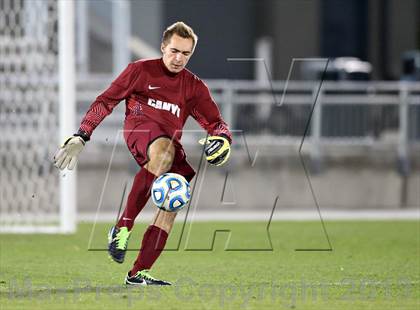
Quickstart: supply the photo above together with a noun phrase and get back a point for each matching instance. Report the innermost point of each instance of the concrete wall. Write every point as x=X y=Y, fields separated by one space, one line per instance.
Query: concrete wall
x=231 y=28
x=225 y=29
x=346 y=183
x=403 y=28
x=294 y=27
x=147 y=21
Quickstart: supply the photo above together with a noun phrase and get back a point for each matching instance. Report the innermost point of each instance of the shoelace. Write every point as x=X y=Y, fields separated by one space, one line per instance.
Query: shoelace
x=145 y=274
x=122 y=238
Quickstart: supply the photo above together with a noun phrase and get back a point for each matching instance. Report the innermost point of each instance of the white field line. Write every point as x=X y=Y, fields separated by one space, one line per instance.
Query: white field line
x=304 y=215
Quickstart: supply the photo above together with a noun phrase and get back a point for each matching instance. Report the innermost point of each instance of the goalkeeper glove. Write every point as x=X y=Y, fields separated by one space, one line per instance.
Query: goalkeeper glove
x=68 y=152
x=217 y=149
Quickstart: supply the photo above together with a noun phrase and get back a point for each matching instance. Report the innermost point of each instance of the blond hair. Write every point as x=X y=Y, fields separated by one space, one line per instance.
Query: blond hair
x=181 y=29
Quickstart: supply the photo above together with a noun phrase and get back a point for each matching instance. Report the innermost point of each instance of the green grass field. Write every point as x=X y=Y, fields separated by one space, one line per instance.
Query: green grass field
x=373 y=265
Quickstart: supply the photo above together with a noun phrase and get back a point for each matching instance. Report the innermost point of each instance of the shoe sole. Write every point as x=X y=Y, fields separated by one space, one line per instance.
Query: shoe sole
x=128 y=283
x=114 y=260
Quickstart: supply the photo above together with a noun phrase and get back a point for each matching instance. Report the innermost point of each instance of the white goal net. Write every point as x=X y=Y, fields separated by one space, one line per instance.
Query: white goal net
x=30 y=195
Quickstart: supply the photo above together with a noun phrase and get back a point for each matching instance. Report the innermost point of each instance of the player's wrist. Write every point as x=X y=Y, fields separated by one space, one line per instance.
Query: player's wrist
x=226 y=137
x=82 y=134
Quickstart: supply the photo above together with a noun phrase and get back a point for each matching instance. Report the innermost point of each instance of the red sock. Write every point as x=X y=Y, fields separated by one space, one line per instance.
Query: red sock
x=139 y=195
x=154 y=241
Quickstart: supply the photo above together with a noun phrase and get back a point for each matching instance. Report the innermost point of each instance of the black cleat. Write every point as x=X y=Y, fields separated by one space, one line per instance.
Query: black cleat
x=117 y=243
x=143 y=278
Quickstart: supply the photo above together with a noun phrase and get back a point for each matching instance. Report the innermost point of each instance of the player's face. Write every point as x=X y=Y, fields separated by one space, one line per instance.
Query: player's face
x=176 y=53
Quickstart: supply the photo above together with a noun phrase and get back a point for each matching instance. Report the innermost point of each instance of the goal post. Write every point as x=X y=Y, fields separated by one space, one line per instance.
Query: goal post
x=37 y=111
x=67 y=110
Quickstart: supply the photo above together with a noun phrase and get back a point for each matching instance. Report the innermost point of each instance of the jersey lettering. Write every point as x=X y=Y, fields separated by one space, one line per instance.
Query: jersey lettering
x=166 y=106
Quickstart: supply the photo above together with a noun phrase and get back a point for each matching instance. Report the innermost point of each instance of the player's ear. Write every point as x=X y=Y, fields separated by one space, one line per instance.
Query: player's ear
x=162 y=47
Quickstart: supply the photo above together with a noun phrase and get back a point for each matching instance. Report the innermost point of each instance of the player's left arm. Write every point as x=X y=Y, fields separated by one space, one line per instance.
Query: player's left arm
x=207 y=114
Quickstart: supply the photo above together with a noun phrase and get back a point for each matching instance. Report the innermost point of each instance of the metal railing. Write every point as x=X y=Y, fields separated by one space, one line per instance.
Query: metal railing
x=279 y=113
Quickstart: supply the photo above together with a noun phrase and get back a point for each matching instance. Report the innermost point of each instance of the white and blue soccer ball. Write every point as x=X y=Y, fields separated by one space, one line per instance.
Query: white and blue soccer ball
x=171 y=192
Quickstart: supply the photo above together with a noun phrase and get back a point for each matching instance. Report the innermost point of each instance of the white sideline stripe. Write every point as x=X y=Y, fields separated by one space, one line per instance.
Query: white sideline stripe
x=304 y=215
x=21 y=229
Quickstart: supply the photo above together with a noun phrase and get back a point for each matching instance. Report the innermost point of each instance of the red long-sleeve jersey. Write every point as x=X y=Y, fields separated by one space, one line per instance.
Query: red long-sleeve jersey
x=152 y=92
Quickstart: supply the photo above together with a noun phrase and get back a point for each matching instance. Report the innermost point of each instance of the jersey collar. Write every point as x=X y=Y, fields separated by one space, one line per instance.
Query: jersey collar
x=166 y=71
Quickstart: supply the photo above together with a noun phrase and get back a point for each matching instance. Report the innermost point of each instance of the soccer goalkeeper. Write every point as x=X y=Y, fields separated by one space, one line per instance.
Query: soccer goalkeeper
x=160 y=94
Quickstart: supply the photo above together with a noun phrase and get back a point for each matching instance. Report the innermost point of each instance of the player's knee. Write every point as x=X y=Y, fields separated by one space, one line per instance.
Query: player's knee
x=162 y=163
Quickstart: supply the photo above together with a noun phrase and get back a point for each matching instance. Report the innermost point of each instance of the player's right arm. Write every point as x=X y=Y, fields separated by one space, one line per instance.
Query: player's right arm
x=120 y=89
